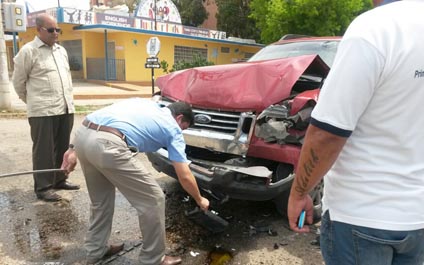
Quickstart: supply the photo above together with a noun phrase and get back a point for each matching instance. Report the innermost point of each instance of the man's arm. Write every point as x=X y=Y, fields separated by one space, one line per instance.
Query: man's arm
x=318 y=154
x=188 y=182
x=21 y=72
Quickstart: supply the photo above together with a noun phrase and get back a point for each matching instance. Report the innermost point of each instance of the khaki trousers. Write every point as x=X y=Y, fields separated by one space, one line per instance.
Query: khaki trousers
x=107 y=163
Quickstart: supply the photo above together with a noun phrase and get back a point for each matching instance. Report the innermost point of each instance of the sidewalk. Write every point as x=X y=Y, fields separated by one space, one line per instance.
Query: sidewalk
x=91 y=93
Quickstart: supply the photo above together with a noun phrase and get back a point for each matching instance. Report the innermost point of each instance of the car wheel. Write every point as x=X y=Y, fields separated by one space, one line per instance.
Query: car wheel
x=283 y=171
x=316 y=195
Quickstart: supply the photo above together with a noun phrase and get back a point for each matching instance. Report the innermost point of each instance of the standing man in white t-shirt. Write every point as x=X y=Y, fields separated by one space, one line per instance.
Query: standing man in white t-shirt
x=367 y=138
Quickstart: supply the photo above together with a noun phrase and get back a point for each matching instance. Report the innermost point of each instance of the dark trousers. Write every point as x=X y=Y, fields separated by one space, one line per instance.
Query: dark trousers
x=50 y=137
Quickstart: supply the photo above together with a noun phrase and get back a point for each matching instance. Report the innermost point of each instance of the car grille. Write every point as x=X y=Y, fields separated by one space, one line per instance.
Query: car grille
x=218 y=121
x=221 y=121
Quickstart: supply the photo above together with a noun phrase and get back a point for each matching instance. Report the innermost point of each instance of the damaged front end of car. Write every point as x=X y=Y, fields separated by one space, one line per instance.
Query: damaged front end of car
x=250 y=119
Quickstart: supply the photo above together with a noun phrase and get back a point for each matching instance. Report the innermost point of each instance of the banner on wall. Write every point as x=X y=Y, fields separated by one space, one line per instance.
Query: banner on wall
x=114 y=20
x=159 y=10
x=76 y=16
x=199 y=32
x=84 y=17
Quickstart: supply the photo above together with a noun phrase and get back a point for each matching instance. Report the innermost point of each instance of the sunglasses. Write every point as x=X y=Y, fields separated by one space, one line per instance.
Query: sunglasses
x=51 y=30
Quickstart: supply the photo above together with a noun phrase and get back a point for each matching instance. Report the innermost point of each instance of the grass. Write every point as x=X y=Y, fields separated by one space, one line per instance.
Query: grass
x=81 y=109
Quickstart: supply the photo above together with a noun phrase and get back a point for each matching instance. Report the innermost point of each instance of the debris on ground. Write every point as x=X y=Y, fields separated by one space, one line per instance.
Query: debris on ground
x=207 y=219
x=194 y=254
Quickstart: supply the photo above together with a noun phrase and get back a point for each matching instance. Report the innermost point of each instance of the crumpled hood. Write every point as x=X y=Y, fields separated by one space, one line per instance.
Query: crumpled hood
x=240 y=86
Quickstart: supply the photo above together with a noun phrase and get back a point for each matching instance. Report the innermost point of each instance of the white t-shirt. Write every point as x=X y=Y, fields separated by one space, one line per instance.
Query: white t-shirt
x=376 y=90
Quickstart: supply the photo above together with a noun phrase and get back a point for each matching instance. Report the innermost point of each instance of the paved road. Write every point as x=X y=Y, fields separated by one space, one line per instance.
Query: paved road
x=38 y=233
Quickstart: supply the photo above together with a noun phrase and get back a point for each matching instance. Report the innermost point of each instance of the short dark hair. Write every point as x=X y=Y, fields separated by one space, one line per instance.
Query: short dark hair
x=183 y=108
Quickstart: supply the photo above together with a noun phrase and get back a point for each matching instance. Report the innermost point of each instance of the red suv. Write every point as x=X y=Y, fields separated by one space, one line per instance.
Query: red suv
x=250 y=119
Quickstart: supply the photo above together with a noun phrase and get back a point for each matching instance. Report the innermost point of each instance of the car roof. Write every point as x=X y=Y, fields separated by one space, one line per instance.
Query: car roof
x=301 y=38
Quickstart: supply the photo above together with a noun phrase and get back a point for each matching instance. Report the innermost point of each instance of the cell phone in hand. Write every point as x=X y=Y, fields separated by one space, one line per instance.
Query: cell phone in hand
x=301 y=220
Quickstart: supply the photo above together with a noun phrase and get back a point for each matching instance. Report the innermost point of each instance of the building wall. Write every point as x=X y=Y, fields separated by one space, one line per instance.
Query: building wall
x=131 y=48
x=94 y=45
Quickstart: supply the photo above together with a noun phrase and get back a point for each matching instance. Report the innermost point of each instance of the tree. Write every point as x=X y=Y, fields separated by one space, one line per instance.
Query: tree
x=132 y=5
x=276 y=18
x=192 y=12
x=233 y=18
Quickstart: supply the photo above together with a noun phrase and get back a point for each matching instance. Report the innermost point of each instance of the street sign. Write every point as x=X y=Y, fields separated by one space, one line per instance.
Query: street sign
x=152 y=65
x=152 y=60
x=153 y=46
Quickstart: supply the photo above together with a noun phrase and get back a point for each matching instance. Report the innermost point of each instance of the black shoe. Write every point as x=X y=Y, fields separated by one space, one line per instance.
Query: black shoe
x=67 y=186
x=48 y=196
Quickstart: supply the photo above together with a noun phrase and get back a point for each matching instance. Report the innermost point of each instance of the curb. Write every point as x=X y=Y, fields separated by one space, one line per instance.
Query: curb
x=20 y=115
x=110 y=96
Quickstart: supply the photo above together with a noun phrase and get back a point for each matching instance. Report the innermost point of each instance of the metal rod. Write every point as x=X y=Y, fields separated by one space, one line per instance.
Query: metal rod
x=153 y=81
x=156 y=28
x=106 y=58
x=32 y=172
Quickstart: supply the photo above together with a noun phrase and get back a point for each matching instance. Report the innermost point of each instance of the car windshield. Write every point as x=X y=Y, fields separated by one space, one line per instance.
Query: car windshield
x=326 y=49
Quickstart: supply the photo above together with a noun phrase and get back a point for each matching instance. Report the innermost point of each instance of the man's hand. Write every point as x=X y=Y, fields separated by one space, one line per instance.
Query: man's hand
x=295 y=207
x=203 y=203
x=189 y=184
x=69 y=161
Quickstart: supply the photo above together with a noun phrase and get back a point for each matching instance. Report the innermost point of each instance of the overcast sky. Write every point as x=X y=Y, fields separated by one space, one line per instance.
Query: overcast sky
x=35 y=5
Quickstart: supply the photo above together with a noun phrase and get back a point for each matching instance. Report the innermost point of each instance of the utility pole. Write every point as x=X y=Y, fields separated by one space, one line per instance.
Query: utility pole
x=156 y=27
x=5 y=103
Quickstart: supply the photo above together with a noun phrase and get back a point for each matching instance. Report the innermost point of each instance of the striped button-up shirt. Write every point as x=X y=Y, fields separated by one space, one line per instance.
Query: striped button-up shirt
x=42 y=79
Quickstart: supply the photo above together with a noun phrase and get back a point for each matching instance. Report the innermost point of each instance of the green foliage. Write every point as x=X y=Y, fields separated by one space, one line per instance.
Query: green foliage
x=180 y=65
x=192 y=12
x=164 y=66
x=276 y=18
x=233 y=18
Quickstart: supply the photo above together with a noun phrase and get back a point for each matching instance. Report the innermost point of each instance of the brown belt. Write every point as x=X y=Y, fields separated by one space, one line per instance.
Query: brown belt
x=103 y=128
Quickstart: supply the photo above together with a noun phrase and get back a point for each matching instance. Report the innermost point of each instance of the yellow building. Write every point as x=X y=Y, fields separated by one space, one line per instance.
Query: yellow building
x=92 y=39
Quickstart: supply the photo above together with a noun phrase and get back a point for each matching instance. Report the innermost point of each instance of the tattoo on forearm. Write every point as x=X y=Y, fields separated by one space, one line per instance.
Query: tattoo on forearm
x=303 y=179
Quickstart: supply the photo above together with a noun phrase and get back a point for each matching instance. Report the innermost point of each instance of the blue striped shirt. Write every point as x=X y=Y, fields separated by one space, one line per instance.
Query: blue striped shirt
x=145 y=125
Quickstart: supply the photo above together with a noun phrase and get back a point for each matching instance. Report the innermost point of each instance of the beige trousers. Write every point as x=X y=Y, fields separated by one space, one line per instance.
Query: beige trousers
x=107 y=163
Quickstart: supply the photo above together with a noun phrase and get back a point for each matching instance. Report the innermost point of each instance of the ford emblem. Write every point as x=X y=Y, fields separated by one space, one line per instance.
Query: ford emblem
x=202 y=118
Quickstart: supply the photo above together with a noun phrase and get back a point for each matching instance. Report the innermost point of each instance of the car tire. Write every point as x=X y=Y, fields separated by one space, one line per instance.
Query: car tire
x=283 y=171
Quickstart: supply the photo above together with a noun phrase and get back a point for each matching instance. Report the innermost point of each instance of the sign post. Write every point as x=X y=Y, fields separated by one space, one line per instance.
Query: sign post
x=153 y=48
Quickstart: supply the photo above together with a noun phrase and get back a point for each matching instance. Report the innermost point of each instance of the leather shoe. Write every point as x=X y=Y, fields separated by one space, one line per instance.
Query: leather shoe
x=168 y=260
x=113 y=249
x=48 y=196
x=67 y=186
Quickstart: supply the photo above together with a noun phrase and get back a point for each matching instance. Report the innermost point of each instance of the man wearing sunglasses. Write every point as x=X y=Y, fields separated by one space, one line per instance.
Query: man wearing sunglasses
x=42 y=79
